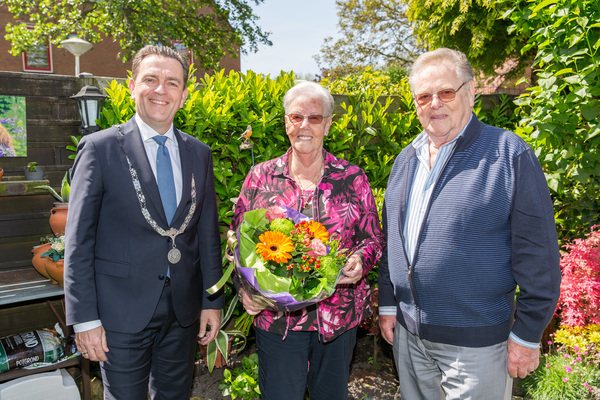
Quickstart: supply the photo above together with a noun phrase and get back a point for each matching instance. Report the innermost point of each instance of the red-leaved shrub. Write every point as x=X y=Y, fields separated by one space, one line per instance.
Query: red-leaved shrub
x=579 y=301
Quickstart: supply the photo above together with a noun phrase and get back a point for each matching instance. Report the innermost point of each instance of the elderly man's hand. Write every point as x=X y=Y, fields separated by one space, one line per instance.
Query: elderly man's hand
x=387 y=324
x=521 y=360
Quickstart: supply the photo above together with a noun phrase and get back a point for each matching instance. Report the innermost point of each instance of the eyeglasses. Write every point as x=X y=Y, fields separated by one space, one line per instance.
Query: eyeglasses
x=445 y=95
x=297 y=119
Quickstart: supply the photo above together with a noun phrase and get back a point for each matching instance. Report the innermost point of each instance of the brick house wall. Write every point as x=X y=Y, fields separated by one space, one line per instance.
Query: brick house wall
x=101 y=60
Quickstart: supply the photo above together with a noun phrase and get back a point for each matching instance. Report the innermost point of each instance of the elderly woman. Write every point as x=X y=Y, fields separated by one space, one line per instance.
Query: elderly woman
x=312 y=348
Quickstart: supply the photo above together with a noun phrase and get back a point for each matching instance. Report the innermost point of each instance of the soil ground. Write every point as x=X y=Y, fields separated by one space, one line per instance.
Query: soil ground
x=367 y=381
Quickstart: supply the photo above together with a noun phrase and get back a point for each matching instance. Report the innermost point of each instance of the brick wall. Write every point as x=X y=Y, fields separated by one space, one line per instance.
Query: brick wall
x=101 y=60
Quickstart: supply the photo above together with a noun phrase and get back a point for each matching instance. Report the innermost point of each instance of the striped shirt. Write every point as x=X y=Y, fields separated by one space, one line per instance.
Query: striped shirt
x=422 y=188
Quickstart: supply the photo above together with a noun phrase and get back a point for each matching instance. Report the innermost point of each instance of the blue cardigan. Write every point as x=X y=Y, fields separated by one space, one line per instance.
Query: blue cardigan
x=488 y=227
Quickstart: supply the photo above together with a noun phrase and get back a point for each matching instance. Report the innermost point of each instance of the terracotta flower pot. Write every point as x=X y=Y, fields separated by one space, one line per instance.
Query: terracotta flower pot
x=1 y=174
x=56 y=270
x=39 y=263
x=58 y=218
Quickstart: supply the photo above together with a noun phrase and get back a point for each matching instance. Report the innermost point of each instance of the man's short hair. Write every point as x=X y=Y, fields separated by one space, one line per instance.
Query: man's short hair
x=163 y=51
x=438 y=56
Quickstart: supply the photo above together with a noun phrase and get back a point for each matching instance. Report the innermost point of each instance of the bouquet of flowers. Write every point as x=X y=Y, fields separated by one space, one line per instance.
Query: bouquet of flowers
x=285 y=260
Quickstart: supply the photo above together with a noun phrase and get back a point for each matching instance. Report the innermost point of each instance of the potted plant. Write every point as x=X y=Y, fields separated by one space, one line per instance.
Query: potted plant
x=58 y=214
x=39 y=262
x=55 y=259
x=218 y=349
x=33 y=172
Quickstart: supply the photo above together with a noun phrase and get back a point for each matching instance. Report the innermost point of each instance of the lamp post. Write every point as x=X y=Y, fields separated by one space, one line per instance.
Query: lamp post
x=76 y=47
x=89 y=102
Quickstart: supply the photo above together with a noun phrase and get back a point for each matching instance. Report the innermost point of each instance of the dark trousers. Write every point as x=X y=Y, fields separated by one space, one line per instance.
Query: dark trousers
x=159 y=360
x=287 y=368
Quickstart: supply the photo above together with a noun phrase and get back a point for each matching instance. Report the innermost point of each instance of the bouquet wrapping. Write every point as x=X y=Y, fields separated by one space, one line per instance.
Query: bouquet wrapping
x=285 y=260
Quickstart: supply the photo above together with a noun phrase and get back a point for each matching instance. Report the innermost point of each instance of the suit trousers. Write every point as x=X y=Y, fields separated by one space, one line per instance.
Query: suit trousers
x=438 y=371
x=159 y=360
x=288 y=367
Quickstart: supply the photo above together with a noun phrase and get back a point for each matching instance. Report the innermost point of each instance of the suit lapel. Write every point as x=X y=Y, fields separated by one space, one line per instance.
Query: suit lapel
x=187 y=164
x=132 y=145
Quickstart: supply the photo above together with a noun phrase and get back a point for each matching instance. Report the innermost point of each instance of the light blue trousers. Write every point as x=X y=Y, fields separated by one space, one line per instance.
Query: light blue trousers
x=436 y=371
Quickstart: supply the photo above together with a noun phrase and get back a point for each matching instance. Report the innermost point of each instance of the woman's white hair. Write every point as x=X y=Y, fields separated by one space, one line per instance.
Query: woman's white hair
x=310 y=90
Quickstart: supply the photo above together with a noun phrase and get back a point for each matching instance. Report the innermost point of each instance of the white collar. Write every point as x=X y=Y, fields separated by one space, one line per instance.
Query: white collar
x=148 y=132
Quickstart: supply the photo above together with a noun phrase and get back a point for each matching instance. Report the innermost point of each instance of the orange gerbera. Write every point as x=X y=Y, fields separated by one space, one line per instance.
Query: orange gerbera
x=275 y=246
x=318 y=230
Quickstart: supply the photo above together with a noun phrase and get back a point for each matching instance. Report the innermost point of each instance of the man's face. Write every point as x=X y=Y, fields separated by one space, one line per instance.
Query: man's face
x=443 y=121
x=159 y=90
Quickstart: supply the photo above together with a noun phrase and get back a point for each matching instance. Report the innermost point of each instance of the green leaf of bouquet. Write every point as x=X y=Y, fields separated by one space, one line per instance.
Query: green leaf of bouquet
x=256 y=218
x=300 y=274
x=270 y=282
x=321 y=287
x=253 y=221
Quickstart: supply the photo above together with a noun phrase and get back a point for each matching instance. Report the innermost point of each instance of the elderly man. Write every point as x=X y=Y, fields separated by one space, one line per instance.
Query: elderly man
x=468 y=218
x=143 y=241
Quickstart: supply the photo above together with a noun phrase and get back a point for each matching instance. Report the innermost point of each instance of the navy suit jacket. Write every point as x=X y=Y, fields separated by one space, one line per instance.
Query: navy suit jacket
x=115 y=261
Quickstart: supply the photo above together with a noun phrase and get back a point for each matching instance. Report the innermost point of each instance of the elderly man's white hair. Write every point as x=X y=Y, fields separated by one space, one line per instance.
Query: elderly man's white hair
x=439 y=56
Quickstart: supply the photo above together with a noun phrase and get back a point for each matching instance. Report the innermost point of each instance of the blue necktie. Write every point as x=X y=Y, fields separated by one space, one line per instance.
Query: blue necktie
x=164 y=173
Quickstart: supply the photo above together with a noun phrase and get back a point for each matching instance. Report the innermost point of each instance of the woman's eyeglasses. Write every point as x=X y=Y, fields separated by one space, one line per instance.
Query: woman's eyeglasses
x=297 y=119
x=445 y=95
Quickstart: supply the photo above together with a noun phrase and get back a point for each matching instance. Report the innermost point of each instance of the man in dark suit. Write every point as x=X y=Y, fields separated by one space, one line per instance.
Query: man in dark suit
x=142 y=241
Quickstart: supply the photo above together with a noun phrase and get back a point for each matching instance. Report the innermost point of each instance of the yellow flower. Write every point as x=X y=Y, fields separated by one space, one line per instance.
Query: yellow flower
x=275 y=246
x=318 y=230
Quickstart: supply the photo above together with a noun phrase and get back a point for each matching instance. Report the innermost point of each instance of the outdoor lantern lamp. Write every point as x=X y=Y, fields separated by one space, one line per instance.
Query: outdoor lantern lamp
x=76 y=47
x=89 y=102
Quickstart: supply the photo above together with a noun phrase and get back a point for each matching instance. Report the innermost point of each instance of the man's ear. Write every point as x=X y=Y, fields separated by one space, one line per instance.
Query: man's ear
x=131 y=85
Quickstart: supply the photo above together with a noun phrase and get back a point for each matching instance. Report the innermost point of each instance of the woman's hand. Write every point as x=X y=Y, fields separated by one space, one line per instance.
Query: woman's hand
x=249 y=305
x=352 y=271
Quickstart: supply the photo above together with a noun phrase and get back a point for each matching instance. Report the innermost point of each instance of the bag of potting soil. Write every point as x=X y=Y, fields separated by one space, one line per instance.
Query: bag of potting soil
x=24 y=349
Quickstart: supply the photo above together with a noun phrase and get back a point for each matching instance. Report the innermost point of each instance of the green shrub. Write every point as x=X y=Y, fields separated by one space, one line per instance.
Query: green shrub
x=561 y=111
x=243 y=382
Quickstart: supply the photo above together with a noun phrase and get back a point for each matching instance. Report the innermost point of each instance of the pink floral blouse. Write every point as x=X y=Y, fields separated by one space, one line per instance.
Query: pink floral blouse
x=345 y=205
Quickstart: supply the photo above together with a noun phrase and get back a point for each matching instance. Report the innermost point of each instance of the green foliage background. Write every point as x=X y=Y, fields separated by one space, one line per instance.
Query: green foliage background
x=372 y=123
x=561 y=112
x=369 y=129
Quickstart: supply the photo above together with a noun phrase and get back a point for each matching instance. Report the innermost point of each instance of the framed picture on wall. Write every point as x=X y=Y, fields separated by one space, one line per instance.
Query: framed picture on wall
x=13 y=126
x=38 y=58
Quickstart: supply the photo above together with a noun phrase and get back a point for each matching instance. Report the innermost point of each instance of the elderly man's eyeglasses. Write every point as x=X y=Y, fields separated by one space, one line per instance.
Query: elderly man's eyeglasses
x=297 y=119
x=445 y=95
